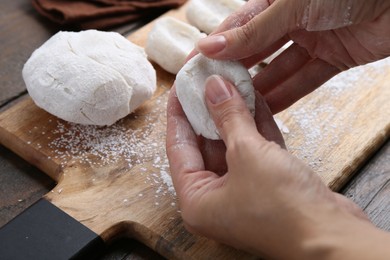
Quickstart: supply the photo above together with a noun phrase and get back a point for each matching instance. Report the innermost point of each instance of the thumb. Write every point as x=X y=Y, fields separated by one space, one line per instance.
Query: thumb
x=229 y=111
x=257 y=34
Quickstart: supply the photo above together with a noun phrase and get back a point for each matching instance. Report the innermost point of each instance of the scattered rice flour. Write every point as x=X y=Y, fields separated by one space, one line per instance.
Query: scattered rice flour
x=100 y=146
x=318 y=117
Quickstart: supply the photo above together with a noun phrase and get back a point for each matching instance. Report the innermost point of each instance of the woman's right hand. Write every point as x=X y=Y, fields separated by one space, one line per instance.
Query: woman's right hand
x=262 y=199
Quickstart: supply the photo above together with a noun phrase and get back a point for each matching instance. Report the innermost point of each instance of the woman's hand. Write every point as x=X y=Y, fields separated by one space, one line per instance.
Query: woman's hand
x=329 y=36
x=259 y=197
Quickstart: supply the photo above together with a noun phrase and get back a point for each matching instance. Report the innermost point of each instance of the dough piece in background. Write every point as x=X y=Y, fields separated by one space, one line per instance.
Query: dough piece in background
x=207 y=15
x=259 y=67
x=170 y=41
x=190 y=89
x=253 y=71
x=89 y=77
x=277 y=53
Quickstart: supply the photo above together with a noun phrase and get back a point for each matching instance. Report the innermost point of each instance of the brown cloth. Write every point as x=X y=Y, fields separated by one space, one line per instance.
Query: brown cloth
x=100 y=14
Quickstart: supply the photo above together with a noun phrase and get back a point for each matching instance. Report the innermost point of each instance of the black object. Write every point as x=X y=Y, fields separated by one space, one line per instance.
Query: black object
x=44 y=231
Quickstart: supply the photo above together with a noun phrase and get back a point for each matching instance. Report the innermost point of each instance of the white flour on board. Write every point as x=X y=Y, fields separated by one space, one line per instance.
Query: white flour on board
x=318 y=126
x=101 y=146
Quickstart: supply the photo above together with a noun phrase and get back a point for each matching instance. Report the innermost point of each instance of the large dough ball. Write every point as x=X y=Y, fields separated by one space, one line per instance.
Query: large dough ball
x=89 y=77
x=190 y=89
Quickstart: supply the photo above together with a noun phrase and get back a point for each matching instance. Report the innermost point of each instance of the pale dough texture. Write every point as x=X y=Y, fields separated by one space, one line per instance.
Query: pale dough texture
x=170 y=41
x=207 y=15
x=190 y=89
x=89 y=77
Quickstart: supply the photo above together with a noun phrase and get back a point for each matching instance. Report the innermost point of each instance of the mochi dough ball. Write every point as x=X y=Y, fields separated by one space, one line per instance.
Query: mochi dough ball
x=89 y=77
x=190 y=90
x=207 y=15
x=170 y=41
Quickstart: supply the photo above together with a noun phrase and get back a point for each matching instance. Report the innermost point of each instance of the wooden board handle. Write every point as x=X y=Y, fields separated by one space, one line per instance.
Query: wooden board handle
x=44 y=231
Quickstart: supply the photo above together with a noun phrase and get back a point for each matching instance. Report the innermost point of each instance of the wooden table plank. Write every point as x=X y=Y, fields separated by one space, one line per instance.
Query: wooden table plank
x=21 y=185
x=21 y=31
x=370 y=189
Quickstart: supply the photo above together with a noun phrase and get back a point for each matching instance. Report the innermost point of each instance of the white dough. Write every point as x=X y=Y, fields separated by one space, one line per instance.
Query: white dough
x=89 y=77
x=257 y=68
x=277 y=53
x=170 y=41
x=190 y=89
x=207 y=15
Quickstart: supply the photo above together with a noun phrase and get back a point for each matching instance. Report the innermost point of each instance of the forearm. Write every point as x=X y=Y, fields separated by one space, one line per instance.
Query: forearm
x=321 y=230
x=343 y=236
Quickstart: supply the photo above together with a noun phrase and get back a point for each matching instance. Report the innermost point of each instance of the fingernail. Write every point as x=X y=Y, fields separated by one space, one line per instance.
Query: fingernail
x=211 y=44
x=216 y=90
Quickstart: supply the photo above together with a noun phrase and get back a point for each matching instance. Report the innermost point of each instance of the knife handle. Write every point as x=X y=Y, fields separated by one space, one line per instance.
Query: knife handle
x=44 y=231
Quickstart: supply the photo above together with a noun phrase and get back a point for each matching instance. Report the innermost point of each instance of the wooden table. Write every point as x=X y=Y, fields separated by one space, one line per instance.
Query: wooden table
x=21 y=31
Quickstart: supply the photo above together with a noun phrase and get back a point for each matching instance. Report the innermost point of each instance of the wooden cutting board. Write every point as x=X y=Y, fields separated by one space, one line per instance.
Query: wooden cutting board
x=115 y=180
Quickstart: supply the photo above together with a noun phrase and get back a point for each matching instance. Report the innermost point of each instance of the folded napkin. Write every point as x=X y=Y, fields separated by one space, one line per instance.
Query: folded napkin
x=100 y=14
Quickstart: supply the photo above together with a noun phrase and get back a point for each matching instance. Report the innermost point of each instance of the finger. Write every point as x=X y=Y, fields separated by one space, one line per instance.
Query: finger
x=185 y=159
x=213 y=152
x=259 y=57
x=281 y=68
x=265 y=122
x=194 y=186
x=243 y=15
x=255 y=35
x=229 y=111
x=237 y=19
x=254 y=59
x=300 y=84
x=191 y=55
x=180 y=136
